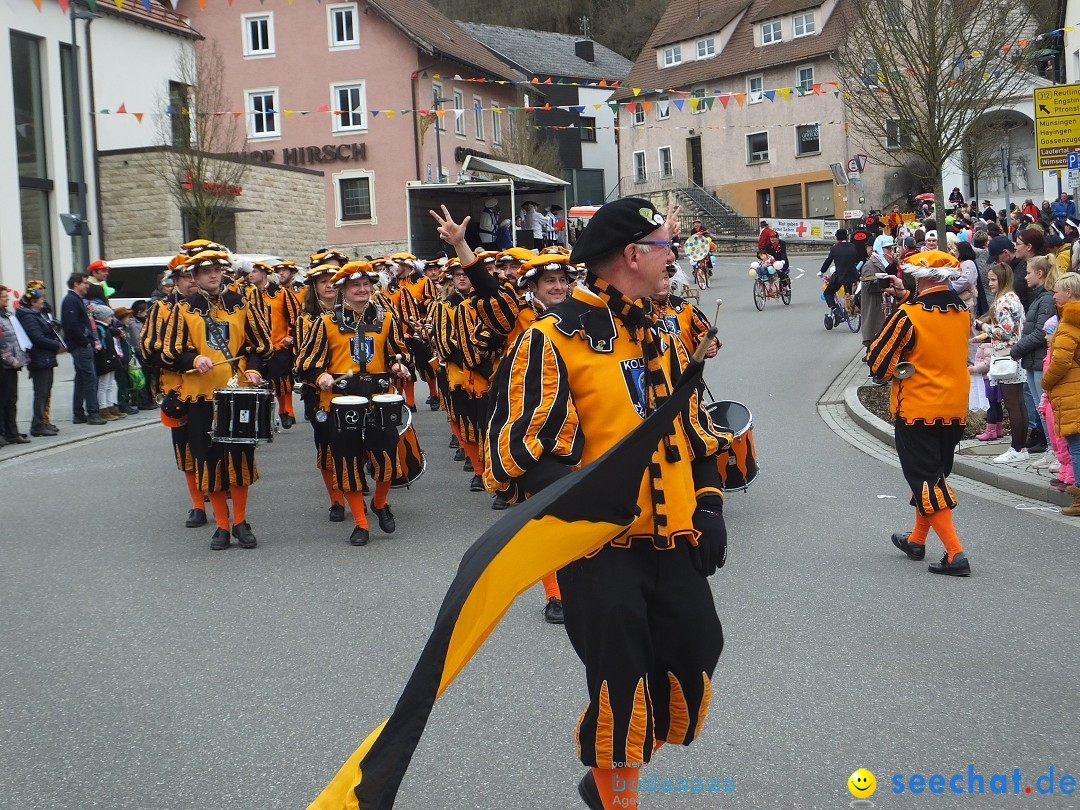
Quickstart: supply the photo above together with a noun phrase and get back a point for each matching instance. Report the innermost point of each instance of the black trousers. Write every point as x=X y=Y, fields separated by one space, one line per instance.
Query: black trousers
x=926 y=459
x=42 y=381
x=644 y=624
x=9 y=400
x=838 y=280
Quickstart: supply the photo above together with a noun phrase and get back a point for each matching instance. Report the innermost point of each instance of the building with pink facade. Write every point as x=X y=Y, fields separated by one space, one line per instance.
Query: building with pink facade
x=350 y=89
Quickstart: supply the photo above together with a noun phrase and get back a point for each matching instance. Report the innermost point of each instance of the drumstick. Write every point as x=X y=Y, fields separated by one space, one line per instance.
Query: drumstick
x=719 y=303
x=218 y=363
x=344 y=376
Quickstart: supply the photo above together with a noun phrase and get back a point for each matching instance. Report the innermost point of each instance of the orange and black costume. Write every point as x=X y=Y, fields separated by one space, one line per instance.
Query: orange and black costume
x=281 y=310
x=460 y=409
x=679 y=317
x=203 y=325
x=639 y=613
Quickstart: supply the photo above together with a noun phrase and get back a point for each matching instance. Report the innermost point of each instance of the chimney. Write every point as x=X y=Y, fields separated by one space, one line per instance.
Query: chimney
x=583 y=49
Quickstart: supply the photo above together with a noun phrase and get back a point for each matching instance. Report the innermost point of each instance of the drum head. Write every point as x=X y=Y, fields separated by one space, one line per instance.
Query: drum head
x=732 y=416
x=349 y=401
x=387 y=399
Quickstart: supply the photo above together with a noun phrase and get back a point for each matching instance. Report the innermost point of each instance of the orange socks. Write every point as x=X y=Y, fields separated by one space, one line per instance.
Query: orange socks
x=922 y=528
x=239 y=503
x=618 y=787
x=431 y=390
x=220 y=503
x=285 y=405
x=410 y=392
x=941 y=520
x=382 y=489
x=356 y=506
x=472 y=452
x=335 y=496
x=194 y=491
x=551 y=587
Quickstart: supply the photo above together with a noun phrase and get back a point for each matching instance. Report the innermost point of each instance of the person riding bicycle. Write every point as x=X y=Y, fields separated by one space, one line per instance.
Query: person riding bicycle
x=777 y=249
x=846 y=274
x=700 y=230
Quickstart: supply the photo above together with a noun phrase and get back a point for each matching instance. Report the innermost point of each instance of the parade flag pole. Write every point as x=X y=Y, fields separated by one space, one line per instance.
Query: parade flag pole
x=563 y=522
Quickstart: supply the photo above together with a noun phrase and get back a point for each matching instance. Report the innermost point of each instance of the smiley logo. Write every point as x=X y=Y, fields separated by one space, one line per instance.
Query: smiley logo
x=862 y=784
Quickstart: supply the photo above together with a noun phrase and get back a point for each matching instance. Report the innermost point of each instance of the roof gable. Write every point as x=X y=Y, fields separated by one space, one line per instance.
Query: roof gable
x=545 y=53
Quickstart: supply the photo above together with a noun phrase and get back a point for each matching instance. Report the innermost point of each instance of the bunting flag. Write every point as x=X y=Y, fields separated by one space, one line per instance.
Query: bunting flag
x=121 y=109
x=138 y=117
x=562 y=523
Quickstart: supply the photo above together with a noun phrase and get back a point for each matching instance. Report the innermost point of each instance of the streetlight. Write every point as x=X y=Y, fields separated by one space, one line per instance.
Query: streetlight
x=437 y=100
x=76 y=224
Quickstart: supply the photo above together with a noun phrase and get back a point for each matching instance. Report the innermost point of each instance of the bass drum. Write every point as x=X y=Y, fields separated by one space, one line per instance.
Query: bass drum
x=738 y=464
x=411 y=459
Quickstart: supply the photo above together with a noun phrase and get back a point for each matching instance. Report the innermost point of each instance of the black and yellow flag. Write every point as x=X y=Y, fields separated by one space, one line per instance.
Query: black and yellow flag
x=562 y=523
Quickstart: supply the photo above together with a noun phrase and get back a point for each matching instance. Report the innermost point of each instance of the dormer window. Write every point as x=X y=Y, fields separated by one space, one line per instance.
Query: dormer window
x=672 y=55
x=706 y=47
x=803 y=24
x=770 y=33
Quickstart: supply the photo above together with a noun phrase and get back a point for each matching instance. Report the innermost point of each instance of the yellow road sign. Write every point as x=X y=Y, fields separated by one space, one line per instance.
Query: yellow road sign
x=1057 y=125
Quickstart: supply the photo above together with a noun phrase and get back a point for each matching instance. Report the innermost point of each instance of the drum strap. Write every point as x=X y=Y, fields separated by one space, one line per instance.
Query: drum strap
x=214 y=330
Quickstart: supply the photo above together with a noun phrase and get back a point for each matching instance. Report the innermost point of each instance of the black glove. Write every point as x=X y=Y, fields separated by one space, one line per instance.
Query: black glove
x=711 y=551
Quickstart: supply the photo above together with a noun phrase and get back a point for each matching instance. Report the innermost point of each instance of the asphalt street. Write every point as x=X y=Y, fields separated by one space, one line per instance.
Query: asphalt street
x=141 y=670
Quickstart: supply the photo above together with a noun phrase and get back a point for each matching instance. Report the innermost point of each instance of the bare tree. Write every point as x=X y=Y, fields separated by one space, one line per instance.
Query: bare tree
x=919 y=74
x=202 y=163
x=527 y=145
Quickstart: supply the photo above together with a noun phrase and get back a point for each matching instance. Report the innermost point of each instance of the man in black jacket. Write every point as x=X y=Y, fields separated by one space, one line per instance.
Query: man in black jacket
x=44 y=344
x=846 y=256
x=80 y=337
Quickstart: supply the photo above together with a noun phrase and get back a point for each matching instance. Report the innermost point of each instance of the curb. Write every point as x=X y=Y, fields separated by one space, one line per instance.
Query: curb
x=1026 y=485
x=86 y=433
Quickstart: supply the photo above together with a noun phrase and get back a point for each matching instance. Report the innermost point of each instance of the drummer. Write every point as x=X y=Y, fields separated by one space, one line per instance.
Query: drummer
x=212 y=335
x=679 y=317
x=280 y=307
x=362 y=339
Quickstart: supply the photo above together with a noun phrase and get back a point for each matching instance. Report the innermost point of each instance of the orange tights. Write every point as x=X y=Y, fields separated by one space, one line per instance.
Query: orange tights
x=220 y=502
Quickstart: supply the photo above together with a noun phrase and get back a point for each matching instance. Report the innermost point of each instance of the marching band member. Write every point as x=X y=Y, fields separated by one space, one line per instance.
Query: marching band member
x=405 y=307
x=214 y=334
x=281 y=309
x=169 y=382
x=361 y=338
x=677 y=316
x=290 y=278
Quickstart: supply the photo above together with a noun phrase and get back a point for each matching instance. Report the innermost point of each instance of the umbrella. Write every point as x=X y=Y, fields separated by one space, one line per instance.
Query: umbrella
x=926 y=196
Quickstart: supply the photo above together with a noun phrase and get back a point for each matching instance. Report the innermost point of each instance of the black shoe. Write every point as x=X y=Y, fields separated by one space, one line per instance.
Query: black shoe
x=467 y=466
x=78 y=420
x=130 y=410
x=43 y=431
x=17 y=438
x=476 y=484
x=957 y=568
x=498 y=504
x=287 y=421
x=411 y=408
x=359 y=537
x=337 y=513
x=454 y=443
x=385 y=516
x=3 y=442
x=220 y=540
x=589 y=793
x=95 y=419
x=195 y=518
x=1036 y=439
x=1035 y=449
x=148 y=406
x=914 y=551
x=244 y=537
x=553 y=612
x=459 y=455
x=434 y=405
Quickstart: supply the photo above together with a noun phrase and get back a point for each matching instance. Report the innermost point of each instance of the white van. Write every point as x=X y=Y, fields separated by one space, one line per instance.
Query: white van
x=135 y=279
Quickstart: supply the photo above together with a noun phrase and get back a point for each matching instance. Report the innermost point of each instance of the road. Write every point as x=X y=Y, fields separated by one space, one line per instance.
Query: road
x=140 y=670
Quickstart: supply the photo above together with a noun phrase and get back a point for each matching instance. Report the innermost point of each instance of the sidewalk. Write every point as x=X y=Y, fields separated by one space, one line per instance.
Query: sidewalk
x=60 y=414
x=974 y=459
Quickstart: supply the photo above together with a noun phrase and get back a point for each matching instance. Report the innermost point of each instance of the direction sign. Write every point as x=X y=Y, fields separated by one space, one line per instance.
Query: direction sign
x=1057 y=125
x=1074 y=160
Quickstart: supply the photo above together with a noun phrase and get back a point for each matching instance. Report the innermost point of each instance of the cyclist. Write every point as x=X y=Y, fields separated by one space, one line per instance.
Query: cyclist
x=777 y=248
x=846 y=258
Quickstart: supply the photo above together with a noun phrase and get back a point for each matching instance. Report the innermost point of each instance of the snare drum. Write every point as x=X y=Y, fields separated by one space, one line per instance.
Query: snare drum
x=738 y=464
x=348 y=413
x=243 y=416
x=391 y=412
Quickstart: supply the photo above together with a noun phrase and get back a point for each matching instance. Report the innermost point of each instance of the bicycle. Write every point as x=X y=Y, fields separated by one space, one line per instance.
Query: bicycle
x=849 y=309
x=701 y=274
x=774 y=286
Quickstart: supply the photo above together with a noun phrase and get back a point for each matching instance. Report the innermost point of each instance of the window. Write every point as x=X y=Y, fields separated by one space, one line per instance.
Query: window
x=262 y=109
x=664 y=154
x=180 y=113
x=344 y=28
x=354 y=198
x=459 y=117
x=804 y=77
x=349 y=107
x=706 y=47
x=436 y=95
x=871 y=69
x=672 y=55
x=757 y=147
x=478 y=115
x=895 y=135
x=699 y=94
x=894 y=15
x=258 y=34
x=803 y=24
x=640 y=173
x=638 y=118
x=496 y=127
x=755 y=89
x=770 y=33
x=588 y=129
x=663 y=108
x=807 y=139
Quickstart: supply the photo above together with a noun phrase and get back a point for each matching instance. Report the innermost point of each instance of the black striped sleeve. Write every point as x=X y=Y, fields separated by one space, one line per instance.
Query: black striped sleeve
x=499 y=311
x=888 y=348
x=313 y=357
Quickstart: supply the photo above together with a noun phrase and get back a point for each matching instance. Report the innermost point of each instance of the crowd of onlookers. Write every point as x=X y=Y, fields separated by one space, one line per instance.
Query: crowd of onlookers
x=110 y=379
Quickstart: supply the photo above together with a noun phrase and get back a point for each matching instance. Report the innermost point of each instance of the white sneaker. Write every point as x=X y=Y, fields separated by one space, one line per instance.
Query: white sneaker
x=1054 y=467
x=1011 y=456
x=1042 y=461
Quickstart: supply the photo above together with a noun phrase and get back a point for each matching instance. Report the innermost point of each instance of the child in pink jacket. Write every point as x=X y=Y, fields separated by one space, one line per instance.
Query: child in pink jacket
x=980 y=367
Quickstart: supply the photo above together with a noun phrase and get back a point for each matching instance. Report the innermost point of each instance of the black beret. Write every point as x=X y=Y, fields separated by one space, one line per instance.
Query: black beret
x=614 y=226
